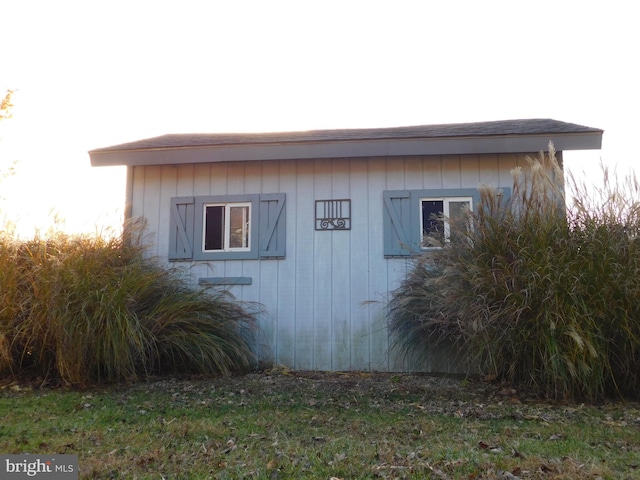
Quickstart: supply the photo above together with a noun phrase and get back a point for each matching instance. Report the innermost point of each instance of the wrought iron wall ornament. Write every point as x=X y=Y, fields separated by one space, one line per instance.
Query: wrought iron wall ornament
x=333 y=214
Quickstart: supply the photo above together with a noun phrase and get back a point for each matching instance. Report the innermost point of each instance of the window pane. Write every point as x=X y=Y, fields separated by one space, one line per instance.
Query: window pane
x=431 y=221
x=214 y=228
x=457 y=212
x=238 y=227
x=457 y=209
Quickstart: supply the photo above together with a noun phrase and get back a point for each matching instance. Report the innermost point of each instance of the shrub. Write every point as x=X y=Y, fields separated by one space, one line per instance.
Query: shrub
x=85 y=309
x=544 y=297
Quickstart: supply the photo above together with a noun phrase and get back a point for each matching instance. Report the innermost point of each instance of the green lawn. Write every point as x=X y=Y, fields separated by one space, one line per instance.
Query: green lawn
x=318 y=426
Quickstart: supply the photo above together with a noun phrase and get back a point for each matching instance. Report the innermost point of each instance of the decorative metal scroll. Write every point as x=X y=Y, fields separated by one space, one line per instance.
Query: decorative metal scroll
x=333 y=214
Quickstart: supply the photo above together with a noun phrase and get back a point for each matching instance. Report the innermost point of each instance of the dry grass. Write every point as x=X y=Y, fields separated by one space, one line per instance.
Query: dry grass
x=83 y=309
x=543 y=296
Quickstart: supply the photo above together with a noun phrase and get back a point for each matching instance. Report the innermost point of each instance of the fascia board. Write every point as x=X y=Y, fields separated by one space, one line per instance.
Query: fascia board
x=348 y=149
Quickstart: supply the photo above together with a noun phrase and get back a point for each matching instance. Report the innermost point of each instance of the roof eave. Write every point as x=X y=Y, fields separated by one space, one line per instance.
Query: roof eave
x=348 y=149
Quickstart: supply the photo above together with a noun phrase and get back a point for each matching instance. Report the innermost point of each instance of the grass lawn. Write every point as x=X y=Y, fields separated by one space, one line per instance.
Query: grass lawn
x=296 y=425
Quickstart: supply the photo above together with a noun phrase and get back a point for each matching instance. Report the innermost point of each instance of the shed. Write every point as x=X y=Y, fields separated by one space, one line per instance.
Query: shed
x=319 y=226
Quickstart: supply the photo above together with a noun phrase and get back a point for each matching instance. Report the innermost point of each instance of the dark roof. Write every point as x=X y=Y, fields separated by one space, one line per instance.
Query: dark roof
x=454 y=130
x=507 y=136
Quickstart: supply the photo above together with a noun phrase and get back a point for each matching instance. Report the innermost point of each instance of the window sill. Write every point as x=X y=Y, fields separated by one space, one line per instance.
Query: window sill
x=213 y=281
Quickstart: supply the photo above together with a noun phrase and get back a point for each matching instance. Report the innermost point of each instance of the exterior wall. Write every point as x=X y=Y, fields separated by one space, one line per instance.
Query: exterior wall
x=325 y=301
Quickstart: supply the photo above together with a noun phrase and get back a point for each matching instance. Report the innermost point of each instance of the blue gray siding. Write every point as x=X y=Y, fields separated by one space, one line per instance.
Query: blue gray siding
x=323 y=292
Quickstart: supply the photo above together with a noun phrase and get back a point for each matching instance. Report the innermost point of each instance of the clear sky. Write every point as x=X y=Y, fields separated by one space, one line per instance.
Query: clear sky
x=92 y=74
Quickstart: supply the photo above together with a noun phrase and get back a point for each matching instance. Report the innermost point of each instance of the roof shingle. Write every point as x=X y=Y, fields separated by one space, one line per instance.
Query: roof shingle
x=478 y=129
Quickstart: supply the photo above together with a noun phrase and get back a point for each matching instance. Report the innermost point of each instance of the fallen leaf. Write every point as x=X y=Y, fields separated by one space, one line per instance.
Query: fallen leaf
x=231 y=446
x=338 y=457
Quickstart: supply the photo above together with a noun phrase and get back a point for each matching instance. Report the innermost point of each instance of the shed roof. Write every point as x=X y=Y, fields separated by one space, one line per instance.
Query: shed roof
x=505 y=136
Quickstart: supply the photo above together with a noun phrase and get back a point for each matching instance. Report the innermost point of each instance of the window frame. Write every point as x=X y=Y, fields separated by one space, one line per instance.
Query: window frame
x=446 y=213
x=226 y=227
x=199 y=252
x=268 y=235
x=402 y=236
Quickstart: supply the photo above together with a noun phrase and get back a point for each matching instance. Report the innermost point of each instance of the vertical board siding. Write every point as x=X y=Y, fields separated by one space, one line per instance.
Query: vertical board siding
x=489 y=170
x=341 y=273
x=413 y=173
x=378 y=270
x=304 y=341
x=287 y=288
x=358 y=267
x=451 y=175
x=324 y=303
x=137 y=193
x=360 y=326
x=469 y=171
x=432 y=172
x=153 y=210
x=321 y=258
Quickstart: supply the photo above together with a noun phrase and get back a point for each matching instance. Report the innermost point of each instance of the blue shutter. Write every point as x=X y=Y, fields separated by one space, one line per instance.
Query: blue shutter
x=272 y=228
x=181 y=222
x=397 y=227
x=401 y=216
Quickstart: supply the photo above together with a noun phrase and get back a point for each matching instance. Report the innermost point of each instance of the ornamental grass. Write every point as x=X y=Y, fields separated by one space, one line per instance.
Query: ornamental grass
x=536 y=289
x=85 y=309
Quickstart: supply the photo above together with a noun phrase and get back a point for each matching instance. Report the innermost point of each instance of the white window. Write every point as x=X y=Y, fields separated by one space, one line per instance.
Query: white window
x=227 y=227
x=436 y=215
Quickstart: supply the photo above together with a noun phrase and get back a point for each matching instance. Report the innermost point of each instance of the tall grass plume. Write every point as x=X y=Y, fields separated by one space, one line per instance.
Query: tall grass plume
x=541 y=290
x=83 y=309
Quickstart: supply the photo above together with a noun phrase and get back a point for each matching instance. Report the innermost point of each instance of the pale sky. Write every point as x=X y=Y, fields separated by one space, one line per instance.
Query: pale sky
x=93 y=74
